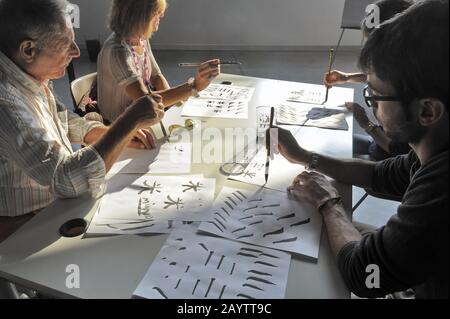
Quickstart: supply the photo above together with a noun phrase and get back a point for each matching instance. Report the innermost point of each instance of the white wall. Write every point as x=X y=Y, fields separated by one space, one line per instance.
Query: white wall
x=240 y=24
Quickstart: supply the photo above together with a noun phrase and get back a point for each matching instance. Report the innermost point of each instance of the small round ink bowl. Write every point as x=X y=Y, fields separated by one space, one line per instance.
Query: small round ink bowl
x=227 y=83
x=73 y=228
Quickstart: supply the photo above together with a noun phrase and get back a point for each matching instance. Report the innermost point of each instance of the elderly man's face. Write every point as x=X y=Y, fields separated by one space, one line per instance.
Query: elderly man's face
x=51 y=62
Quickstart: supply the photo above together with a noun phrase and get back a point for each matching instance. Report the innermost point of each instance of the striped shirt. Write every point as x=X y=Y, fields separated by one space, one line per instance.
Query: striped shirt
x=116 y=70
x=37 y=163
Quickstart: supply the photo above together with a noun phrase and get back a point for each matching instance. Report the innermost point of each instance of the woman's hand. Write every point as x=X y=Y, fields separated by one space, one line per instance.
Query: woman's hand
x=335 y=77
x=206 y=72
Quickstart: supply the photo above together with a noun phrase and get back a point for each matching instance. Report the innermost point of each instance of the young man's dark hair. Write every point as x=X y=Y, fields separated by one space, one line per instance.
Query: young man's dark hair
x=412 y=54
x=388 y=9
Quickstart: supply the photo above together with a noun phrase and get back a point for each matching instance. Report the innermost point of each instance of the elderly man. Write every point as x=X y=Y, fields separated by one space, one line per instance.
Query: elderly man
x=408 y=89
x=37 y=164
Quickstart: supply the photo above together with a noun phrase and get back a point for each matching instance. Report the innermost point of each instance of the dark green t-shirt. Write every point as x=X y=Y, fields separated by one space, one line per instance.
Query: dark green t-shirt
x=412 y=250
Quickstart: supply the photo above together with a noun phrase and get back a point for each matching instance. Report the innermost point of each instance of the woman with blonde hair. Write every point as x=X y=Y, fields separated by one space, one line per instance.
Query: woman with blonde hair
x=127 y=69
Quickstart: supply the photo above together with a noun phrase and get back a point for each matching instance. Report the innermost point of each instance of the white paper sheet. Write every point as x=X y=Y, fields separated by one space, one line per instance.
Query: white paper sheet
x=269 y=218
x=307 y=115
x=146 y=204
x=310 y=94
x=167 y=158
x=192 y=266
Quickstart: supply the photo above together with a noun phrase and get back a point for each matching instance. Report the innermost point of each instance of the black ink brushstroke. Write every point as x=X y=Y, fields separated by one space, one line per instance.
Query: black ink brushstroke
x=232 y=200
x=229 y=205
x=304 y=222
x=220 y=262
x=160 y=292
x=195 y=287
x=260 y=273
x=216 y=226
x=209 y=287
x=256 y=223
x=238 y=230
x=209 y=257
x=245 y=236
x=220 y=216
x=223 y=290
x=277 y=232
x=265 y=264
x=286 y=217
x=226 y=212
x=264 y=281
x=290 y=240
x=271 y=206
x=245 y=296
x=232 y=269
x=271 y=256
x=240 y=193
x=251 y=250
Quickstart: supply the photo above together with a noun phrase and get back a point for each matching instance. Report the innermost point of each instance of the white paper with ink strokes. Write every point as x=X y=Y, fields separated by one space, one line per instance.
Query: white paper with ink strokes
x=268 y=218
x=192 y=266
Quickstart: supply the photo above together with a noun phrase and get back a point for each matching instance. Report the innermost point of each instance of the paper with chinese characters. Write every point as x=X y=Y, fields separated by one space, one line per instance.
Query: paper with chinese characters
x=146 y=204
x=312 y=94
x=220 y=101
x=193 y=266
x=268 y=218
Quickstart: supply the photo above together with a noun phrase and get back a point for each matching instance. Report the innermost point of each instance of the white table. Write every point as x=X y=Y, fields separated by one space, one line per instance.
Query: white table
x=111 y=267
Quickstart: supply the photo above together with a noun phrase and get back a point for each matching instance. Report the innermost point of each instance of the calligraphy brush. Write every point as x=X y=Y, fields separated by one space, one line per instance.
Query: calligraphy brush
x=268 y=145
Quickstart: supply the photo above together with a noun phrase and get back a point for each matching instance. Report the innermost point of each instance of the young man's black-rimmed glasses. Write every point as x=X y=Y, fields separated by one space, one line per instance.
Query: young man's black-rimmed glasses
x=371 y=98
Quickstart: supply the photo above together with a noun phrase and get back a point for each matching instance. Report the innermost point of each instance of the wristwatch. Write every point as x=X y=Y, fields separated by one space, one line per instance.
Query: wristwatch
x=371 y=127
x=194 y=91
x=314 y=161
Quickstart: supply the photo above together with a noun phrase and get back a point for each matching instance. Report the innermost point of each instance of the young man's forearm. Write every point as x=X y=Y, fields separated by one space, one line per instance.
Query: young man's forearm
x=339 y=227
x=348 y=171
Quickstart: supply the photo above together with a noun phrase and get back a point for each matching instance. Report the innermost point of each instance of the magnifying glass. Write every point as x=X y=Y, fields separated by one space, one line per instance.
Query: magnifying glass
x=235 y=167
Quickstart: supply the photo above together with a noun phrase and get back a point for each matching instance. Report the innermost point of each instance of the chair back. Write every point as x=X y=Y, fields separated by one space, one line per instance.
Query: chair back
x=81 y=86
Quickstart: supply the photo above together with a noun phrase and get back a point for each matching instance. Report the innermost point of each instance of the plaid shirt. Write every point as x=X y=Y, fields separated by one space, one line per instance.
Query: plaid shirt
x=37 y=163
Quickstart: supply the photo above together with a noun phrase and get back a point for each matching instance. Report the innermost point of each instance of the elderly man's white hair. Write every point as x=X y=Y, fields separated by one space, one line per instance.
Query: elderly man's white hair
x=40 y=20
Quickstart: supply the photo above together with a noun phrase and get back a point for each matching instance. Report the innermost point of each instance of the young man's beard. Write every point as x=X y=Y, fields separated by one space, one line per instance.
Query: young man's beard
x=407 y=132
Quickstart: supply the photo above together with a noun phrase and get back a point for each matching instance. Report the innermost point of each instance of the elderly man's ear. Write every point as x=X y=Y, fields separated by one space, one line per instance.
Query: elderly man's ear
x=27 y=51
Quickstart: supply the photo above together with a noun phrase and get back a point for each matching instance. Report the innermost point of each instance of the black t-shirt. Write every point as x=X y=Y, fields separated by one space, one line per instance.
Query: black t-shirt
x=412 y=250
